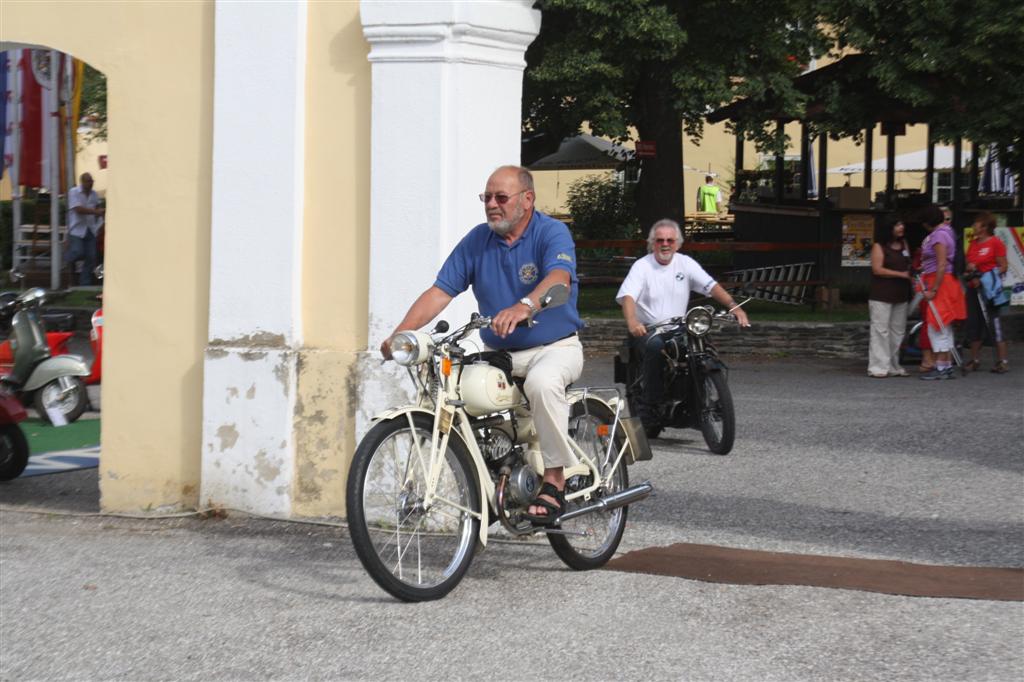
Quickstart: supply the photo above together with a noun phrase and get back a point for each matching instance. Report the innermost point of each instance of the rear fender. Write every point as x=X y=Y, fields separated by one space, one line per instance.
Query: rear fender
x=11 y=409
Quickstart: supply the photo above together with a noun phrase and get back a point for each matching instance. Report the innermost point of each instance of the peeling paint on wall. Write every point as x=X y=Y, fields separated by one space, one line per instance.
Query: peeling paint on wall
x=228 y=436
x=282 y=374
x=251 y=393
x=254 y=340
x=266 y=471
x=232 y=393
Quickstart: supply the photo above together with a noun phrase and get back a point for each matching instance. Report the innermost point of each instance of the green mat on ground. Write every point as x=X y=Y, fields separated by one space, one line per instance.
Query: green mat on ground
x=42 y=437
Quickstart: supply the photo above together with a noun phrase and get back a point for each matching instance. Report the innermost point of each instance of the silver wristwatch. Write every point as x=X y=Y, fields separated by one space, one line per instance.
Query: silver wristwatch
x=525 y=300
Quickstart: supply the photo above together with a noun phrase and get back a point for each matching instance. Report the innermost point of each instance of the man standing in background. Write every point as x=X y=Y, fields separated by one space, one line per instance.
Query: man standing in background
x=709 y=196
x=84 y=220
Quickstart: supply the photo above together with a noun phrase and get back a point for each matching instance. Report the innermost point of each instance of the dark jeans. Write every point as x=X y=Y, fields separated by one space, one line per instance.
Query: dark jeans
x=82 y=248
x=649 y=351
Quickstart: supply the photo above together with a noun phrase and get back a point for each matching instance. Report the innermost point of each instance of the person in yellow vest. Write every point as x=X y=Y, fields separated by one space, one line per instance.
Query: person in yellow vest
x=709 y=196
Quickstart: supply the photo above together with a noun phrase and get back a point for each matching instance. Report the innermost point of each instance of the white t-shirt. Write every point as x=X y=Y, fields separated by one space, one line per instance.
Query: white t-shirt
x=663 y=291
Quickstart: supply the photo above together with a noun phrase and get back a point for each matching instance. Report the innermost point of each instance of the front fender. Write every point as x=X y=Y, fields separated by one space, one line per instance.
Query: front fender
x=474 y=456
x=52 y=368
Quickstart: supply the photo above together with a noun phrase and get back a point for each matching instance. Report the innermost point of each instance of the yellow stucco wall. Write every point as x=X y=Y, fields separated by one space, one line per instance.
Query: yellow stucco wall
x=159 y=200
x=716 y=152
x=158 y=59
x=335 y=253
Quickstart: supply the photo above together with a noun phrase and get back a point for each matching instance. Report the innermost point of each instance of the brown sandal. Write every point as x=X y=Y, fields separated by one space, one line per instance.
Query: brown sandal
x=1002 y=367
x=924 y=369
x=972 y=366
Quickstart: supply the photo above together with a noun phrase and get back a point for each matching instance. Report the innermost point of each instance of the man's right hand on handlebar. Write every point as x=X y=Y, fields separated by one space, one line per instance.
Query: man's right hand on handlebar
x=637 y=329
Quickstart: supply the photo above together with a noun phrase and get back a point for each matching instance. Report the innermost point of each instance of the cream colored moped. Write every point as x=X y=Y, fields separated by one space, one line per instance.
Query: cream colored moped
x=429 y=478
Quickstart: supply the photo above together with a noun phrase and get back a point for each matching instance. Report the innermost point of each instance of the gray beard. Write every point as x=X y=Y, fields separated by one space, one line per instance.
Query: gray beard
x=502 y=227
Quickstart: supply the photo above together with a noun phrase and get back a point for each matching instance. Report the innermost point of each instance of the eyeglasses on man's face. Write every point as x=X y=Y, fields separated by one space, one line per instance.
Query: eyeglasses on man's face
x=665 y=240
x=500 y=197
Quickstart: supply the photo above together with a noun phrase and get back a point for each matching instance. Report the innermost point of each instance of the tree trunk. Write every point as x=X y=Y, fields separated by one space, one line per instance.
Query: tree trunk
x=660 y=191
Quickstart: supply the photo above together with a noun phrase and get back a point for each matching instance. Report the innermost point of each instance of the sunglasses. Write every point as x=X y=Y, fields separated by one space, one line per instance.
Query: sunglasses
x=665 y=241
x=502 y=199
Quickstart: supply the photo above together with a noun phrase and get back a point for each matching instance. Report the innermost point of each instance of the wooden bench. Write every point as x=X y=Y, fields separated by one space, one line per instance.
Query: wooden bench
x=790 y=283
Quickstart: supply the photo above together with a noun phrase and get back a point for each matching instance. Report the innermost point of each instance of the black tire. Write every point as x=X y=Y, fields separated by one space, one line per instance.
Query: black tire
x=717 y=416
x=633 y=392
x=606 y=527
x=13 y=452
x=71 y=402
x=380 y=509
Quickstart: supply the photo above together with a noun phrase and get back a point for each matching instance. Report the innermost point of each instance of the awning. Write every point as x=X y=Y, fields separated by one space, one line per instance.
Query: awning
x=584 y=152
x=911 y=162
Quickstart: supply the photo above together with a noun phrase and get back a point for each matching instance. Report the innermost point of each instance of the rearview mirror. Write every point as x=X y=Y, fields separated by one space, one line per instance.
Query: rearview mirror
x=555 y=296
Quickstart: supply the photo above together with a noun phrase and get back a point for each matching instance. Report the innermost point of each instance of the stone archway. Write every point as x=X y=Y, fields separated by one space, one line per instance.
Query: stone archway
x=158 y=232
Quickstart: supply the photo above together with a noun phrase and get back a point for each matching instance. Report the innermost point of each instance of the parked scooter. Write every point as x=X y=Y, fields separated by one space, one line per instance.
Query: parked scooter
x=13 y=444
x=96 y=336
x=53 y=384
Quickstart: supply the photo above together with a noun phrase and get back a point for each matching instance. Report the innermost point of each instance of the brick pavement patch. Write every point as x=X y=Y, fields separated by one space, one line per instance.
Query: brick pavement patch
x=751 y=567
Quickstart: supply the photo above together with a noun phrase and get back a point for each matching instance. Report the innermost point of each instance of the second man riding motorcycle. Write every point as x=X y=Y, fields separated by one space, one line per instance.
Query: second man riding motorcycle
x=658 y=288
x=510 y=261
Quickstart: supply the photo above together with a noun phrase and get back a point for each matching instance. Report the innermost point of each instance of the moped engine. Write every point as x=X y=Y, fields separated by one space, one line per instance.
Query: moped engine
x=523 y=484
x=495 y=445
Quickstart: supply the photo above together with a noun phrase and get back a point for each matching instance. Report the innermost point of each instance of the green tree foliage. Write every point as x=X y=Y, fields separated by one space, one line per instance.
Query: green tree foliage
x=601 y=208
x=961 y=61
x=94 y=103
x=652 y=64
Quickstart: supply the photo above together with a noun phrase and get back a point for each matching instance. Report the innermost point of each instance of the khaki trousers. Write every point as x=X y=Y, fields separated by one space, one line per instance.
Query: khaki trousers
x=888 y=323
x=548 y=371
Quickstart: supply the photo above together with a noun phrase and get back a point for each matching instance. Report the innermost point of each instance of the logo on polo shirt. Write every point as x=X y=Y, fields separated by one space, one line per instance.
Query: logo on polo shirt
x=564 y=256
x=528 y=273
x=680 y=276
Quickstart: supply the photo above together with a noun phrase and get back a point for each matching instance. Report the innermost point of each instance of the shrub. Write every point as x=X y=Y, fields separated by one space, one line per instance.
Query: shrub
x=602 y=209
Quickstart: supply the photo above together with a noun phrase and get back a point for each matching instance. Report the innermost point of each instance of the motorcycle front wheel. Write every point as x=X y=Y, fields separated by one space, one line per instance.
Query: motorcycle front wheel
x=66 y=395
x=718 y=418
x=414 y=552
x=13 y=452
x=594 y=537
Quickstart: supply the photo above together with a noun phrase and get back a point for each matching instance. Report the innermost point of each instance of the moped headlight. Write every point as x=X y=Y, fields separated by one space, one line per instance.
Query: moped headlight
x=410 y=348
x=698 y=321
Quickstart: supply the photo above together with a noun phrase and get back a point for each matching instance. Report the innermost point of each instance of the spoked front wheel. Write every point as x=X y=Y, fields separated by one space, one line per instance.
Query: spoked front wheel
x=594 y=537
x=718 y=418
x=414 y=549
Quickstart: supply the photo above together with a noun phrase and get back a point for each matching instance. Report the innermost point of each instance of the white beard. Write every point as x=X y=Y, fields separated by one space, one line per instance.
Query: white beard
x=501 y=227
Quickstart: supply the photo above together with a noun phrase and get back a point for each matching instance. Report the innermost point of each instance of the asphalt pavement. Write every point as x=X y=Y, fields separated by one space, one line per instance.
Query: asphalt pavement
x=827 y=461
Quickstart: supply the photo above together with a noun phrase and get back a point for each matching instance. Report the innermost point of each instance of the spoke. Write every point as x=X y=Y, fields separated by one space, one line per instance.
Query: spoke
x=454 y=505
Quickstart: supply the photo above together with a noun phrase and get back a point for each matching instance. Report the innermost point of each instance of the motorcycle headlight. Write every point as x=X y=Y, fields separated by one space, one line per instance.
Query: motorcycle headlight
x=698 y=321
x=410 y=348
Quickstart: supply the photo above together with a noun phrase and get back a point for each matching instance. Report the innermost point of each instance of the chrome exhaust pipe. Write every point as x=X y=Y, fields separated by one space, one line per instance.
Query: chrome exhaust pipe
x=613 y=501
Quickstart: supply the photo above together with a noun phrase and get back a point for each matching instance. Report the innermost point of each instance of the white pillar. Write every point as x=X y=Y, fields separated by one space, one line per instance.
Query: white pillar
x=255 y=263
x=447 y=91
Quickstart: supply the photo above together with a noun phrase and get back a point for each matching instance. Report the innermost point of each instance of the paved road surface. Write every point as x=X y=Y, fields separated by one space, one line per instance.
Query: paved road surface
x=826 y=461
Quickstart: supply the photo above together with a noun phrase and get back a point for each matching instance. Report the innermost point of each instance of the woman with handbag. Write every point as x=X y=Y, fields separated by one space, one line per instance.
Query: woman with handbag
x=986 y=263
x=941 y=290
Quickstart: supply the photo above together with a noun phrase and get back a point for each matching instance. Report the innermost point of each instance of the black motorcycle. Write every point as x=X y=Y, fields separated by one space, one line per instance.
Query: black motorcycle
x=696 y=388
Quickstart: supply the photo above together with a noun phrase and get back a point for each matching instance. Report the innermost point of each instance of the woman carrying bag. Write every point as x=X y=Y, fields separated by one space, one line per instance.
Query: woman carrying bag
x=942 y=291
x=986 y=263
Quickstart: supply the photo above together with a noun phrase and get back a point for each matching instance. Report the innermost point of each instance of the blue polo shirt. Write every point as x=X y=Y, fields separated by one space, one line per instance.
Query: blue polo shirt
x=502 y=273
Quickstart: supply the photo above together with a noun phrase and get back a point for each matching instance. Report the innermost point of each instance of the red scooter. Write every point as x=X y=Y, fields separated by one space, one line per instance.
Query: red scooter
x=13 y=444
